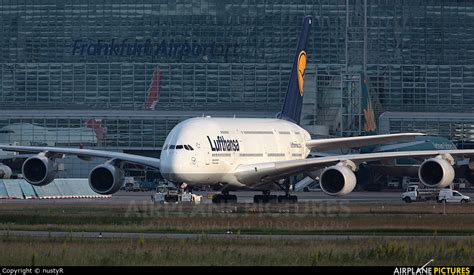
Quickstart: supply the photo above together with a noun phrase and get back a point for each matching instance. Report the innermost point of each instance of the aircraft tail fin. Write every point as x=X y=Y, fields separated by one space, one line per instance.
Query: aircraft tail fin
x=294 y=95
x=370 y=125
x=154 y=90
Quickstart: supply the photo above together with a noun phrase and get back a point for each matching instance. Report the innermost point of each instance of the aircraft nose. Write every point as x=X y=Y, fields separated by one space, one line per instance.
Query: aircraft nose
x=170 y=167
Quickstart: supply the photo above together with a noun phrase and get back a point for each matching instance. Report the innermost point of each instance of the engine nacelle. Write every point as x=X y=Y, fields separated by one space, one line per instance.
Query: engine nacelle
x=337 y=180
x=5 y=171
x=39 y=170
x=436 y=172
x=106 y=179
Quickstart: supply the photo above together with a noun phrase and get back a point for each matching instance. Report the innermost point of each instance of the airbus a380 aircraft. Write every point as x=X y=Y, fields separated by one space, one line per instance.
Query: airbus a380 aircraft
x=247 y=153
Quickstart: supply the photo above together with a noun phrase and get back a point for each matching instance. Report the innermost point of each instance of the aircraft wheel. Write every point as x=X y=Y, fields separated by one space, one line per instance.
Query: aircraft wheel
x=217 y=198
x=291 y=199
x=257 y=198
x=231 y=199
x=294 y=199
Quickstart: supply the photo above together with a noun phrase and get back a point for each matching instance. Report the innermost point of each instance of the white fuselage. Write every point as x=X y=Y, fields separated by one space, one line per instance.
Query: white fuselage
x=207 y=151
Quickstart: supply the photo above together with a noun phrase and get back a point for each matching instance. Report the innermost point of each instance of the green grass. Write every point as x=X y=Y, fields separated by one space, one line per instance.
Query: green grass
x=205 y=251
x=392 y=219
x=324 y=218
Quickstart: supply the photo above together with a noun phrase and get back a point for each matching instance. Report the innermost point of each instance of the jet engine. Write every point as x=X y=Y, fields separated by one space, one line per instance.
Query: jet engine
x=5 y=171
x=39 y=170
x=337 y=180
x=436 y=172
x=106 y=179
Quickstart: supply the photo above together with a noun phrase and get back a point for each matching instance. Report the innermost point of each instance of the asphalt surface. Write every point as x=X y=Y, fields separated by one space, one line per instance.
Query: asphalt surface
x=128 y=235
x=123 y=197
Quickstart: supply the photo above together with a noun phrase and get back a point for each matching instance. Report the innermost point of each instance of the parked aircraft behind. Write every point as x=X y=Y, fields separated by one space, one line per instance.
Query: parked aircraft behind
x=247 y=153
x=375 y=175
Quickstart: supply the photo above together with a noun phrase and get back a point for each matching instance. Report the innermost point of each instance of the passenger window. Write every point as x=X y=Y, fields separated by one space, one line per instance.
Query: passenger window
x=179 y=147
x=171 y=147
x=186 y=147
x=190 y=148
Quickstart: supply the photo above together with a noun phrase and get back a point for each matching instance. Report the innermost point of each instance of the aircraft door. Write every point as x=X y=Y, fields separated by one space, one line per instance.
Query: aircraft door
x=208 y=157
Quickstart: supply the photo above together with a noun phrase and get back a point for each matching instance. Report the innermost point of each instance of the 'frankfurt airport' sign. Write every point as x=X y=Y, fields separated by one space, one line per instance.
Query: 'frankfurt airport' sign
x=164 y=49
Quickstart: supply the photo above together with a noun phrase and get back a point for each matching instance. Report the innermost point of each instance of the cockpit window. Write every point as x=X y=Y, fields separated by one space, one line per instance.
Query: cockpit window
x=178 y=147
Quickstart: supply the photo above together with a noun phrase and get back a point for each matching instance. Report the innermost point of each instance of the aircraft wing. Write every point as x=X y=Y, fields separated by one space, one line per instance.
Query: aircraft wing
x=270 y=171
x=9 y=157
x=354 y=142
x=135 y=159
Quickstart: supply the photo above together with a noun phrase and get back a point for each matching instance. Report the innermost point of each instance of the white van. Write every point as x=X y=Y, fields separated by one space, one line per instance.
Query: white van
x=450 y=195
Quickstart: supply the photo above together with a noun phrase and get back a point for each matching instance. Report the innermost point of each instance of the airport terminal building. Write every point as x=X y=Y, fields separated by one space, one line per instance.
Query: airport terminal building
x=118 y=75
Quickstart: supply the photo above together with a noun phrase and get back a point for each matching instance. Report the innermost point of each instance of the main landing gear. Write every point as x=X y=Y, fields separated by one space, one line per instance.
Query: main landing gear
x=267 y=198
x=225 y=197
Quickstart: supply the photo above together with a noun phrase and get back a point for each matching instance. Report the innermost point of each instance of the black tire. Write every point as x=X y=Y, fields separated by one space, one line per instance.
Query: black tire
x=294 y=199
x=231 y=199
x=290 y=199
x=273 y=199
x=257 y=199
x=217 y=198
x=306 y=189
x=463 y=201
x=407 y=199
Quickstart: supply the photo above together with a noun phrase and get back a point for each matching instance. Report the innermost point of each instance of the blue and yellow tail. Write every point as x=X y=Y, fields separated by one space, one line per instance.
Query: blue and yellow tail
x=294 y=95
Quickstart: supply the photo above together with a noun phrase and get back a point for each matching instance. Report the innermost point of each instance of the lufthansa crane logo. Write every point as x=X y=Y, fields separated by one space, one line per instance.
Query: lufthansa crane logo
x=301 y=69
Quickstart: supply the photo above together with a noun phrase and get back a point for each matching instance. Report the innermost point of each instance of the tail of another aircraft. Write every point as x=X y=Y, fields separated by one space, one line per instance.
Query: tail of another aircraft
x=294 y=95
x=154 y=90
x=370 y=126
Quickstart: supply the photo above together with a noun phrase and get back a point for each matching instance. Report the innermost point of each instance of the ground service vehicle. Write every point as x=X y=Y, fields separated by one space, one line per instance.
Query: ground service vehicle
x=450 y=195
x=415 y=193
x=166 y=194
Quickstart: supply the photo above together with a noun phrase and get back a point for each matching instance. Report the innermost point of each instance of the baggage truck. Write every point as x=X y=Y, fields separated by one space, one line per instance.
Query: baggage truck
x=416 y=193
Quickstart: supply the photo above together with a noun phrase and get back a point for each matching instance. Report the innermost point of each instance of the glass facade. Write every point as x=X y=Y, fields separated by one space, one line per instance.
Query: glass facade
x=129 y=130
x=153 y=57
x=138 y=132
x=119 y=86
